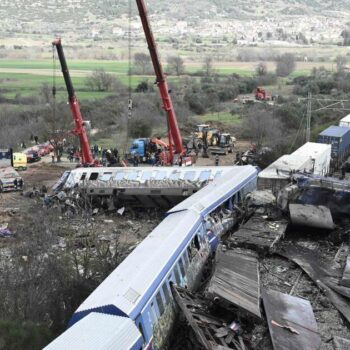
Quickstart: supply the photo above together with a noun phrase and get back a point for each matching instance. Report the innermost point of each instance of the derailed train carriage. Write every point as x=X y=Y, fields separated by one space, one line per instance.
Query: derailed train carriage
x=143 y=187
x=133 y=307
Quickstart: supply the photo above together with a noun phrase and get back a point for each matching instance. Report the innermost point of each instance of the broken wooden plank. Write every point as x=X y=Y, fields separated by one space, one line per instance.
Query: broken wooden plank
x=346 y=275
x=341 y=343
x=317 y=216
x=291 y=322
x=236 y=279
x=259 y=233
x=319 y=272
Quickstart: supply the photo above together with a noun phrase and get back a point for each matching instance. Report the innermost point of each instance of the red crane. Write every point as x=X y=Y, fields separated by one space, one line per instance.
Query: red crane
x=86 y=155
x=173 y=128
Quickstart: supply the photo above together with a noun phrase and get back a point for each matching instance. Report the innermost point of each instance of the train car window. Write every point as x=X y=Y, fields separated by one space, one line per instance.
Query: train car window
x=133 y=176
x=204 y=176
x=218 y=174
x=189 y=252
x=177 y=276
x=190 y=175
x=154 y=313
x=196 y=242
x=141 y=330
x=160 y=175
x=93 y=176
x=83 y=177
x=160 y=303
x=119 y=176
x=186 y=258
x=175 y=175
x=166 y=293
x=106 y=176
x=182 y=267
x=146 y=175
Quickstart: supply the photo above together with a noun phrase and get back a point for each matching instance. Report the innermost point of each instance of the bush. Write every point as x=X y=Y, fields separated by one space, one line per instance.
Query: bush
x=140 y=128
x=285 y=64
x=26 y=335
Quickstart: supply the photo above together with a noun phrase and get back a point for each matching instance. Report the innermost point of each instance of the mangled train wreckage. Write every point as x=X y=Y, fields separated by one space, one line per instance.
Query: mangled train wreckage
x=135 y=302
x=140 y=186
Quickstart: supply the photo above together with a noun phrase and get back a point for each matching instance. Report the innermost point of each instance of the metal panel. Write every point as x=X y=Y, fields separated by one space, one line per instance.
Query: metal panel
x=99 y=332
x=291 y=322
x=236 y=279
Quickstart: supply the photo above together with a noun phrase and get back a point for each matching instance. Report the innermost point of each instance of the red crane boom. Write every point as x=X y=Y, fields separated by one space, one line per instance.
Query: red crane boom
x=174 y=131
x=86 y=155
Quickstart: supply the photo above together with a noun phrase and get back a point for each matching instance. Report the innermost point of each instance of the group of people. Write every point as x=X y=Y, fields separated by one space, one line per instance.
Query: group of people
x=18 y=184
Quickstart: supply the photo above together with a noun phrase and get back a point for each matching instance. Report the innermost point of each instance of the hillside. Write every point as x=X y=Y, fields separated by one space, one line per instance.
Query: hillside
x=80 y=16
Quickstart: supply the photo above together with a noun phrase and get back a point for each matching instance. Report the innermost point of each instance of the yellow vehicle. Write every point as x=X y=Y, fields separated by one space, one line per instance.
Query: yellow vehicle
x=19 y=161
x=205 y=133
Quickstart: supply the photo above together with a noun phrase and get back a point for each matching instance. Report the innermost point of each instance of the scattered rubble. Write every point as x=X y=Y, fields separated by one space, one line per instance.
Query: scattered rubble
x=303 y=274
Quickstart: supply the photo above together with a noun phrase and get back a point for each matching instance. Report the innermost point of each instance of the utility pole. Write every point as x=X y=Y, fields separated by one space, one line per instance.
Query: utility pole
x=322 y=104
x=308 y=116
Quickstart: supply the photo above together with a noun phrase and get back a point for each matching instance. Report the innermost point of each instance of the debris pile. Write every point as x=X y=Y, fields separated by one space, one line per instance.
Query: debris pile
x=282 y=278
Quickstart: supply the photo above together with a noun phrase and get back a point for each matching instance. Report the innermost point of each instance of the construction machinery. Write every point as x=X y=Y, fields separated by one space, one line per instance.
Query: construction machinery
x=86 y=157
x=175 y=153
x=262 y=95
x=210 y=140
x=225 y=145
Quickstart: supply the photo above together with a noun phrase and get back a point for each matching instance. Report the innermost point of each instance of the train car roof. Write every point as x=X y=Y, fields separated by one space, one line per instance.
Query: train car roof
x=214 y=194
x=335 y=131
x=99 y=331
x=133 y=282
x=136 y=174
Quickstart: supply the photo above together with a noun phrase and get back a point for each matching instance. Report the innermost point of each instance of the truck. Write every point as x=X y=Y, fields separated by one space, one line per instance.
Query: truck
x=5 y=157
x=339 y=138
x=225 y=145
x=143 y=148
x=10 y=180
x=262 y=95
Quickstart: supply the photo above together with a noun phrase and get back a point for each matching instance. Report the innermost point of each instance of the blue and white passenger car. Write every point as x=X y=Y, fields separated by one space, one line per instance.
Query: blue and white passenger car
x=137 y=294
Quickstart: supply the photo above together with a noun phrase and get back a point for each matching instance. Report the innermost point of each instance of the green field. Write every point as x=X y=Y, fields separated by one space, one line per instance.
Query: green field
x=120 y=67
x=25 y=78
x=222 y=117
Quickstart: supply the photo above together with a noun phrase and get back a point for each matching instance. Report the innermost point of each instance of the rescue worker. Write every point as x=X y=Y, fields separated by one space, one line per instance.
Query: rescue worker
x=217 y=160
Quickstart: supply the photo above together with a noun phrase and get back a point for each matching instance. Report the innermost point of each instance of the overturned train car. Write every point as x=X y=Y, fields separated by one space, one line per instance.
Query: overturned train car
x=133 y=307
x=140 y=186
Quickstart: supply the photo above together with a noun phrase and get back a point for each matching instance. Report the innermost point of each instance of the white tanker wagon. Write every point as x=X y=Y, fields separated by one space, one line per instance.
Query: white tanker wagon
x=133 y=308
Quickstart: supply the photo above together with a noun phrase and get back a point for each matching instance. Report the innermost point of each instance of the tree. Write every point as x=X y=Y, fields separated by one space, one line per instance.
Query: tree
x=302 y=38
x=46 y=93
x=341 y=63
x=139 y=128
x=285 y=64
x=176 y=64
x=99 y=80
x=345 y=34
x=142 y=61
x=208 y=66
x=261 y=69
